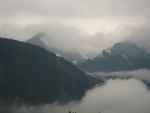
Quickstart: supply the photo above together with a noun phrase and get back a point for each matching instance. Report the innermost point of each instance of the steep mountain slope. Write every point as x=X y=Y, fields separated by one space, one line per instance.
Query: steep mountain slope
x=73 y=55
x=122 y=56
x=31 y=74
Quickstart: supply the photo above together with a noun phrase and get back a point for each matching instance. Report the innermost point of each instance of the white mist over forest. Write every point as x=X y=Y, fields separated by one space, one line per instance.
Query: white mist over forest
x=116 y=96
x=142 y=74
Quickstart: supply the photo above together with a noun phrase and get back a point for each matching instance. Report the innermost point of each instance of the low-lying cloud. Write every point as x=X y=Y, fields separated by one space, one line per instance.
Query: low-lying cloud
x=142 y=74
x=116 y=96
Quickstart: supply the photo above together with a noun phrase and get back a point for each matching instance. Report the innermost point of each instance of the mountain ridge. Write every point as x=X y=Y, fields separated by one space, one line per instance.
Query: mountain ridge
x=121 y=56
x=73 y=55
x=33 y=75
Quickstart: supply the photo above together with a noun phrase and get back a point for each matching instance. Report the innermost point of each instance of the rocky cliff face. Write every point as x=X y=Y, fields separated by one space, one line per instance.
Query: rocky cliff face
x=122 y=56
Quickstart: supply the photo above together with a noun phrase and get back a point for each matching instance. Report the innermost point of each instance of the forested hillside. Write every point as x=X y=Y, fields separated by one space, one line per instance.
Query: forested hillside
x=31 y=74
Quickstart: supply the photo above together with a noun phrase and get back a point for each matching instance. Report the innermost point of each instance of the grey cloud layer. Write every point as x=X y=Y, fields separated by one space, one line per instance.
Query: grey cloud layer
x=95 y=24
x=116 y=96
x=77 y=8
x=142 y=74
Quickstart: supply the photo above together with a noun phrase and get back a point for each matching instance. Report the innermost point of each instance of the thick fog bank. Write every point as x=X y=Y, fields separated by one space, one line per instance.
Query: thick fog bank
x=142 y=74
x=116 y=96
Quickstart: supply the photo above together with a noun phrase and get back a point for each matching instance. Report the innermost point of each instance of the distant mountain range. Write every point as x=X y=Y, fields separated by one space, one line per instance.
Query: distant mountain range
x=122 y=56
x=74 y=55
x=33 y=75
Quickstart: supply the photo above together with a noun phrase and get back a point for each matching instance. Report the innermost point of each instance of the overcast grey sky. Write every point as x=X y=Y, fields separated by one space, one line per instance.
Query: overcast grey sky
x=89 y=24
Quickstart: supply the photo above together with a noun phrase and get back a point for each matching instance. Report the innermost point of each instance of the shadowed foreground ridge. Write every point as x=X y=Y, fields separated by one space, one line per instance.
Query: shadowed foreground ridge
x=33 y=75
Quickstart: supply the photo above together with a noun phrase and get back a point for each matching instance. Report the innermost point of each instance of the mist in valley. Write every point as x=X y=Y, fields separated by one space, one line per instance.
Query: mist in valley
x=115 y=96
x=141 y=74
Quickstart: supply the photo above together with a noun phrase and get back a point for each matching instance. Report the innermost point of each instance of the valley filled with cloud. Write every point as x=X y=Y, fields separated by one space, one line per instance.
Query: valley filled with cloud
x=125 y=96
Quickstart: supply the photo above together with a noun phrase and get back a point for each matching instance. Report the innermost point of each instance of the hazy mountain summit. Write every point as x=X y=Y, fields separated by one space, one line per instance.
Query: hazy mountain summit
x=122 y=56
x=37 y=39
x=72 y=54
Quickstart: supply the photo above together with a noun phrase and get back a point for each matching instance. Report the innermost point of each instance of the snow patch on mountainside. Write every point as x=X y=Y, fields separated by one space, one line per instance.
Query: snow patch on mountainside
x=88 y=54
x=108 y=51
x=58 y=55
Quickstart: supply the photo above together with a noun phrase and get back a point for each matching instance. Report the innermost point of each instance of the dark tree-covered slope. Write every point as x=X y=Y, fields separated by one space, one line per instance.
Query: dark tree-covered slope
x=122 y=56
x=31 y=74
